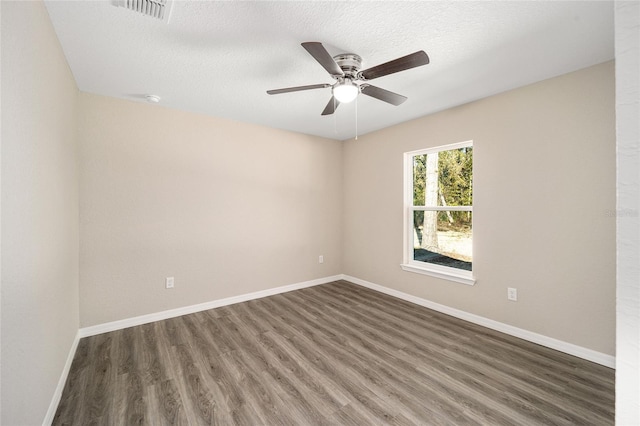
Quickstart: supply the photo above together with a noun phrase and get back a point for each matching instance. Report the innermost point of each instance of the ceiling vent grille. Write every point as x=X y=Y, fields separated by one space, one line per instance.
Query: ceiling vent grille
x=158 y=9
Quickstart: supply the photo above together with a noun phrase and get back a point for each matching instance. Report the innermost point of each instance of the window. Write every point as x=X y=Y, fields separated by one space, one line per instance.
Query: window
x=439 y=212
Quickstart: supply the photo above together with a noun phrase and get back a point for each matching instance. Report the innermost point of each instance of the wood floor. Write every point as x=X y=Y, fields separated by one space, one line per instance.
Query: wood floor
x=335 y=354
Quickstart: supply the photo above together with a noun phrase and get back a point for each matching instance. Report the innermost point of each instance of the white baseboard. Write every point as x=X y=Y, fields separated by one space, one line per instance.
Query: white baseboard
x=55 y=401
x=172 y=313
x=559 y=345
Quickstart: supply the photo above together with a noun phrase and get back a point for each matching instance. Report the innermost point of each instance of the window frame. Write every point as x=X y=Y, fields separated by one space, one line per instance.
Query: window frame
x=425 y=268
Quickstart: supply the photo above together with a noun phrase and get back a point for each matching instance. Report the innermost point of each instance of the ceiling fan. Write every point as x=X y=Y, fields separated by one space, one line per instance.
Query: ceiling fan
x=350 y=80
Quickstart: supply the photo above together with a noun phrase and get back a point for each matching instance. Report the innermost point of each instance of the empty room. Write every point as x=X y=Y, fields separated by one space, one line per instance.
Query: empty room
x=319 y=213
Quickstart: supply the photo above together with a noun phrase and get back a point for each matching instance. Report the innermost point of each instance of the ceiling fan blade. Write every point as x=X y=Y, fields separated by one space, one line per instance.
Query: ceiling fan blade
x=382 y=94
x=297 y=89
x=321 y=55
x=406 y=62
x=331 y=106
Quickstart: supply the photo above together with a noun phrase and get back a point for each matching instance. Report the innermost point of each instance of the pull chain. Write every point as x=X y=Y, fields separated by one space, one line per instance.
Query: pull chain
x=335 y=119
x=357 y=117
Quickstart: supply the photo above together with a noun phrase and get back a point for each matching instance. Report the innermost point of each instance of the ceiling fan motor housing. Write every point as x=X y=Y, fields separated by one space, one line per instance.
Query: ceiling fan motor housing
x=350 y=63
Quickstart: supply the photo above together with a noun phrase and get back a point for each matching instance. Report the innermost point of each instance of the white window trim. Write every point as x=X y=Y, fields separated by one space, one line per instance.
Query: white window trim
x=408 y=264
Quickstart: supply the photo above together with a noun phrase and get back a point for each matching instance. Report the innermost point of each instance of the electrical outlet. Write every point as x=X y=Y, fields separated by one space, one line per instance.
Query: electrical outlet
x=321 y=259
x=168 y=282
x=512 y=294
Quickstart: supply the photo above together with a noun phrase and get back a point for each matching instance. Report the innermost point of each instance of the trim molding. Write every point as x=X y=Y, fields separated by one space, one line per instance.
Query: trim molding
x=550 y=342
x=172 y=313
x=57 y=394
x=433 y=271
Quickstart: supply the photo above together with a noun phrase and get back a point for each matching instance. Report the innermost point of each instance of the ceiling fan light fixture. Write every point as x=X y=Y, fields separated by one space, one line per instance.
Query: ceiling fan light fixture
x=345 y=91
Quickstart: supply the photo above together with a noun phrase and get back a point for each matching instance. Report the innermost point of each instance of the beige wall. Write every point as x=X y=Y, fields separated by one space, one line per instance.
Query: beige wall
x=544 y=196
x=226 y=208
x=39 y=212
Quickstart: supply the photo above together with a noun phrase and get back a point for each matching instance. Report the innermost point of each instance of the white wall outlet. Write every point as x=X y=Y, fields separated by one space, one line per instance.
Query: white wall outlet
x=321 y=259
x=512 y=294
x=168 y=282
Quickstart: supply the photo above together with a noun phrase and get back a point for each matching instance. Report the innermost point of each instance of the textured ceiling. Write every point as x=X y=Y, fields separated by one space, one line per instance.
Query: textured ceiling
x=220 y=57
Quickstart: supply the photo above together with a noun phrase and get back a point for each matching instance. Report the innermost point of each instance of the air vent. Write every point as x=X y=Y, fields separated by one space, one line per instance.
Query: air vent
x=158 y=9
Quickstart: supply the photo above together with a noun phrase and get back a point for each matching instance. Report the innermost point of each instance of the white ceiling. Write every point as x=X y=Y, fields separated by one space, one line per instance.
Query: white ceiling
x=220 y=57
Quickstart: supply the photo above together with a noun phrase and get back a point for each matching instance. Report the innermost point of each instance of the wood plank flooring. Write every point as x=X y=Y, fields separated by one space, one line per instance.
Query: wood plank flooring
x=335 y=354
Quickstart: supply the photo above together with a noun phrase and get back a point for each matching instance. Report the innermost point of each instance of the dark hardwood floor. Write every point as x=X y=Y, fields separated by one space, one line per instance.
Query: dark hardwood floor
x=335 y=354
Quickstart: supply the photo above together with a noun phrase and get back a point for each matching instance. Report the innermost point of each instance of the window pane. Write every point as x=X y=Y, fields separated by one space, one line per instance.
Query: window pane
x=443 y=238
x=443 y=178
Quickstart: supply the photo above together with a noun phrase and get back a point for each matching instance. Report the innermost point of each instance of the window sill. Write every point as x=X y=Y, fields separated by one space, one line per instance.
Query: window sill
x=459 y=277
